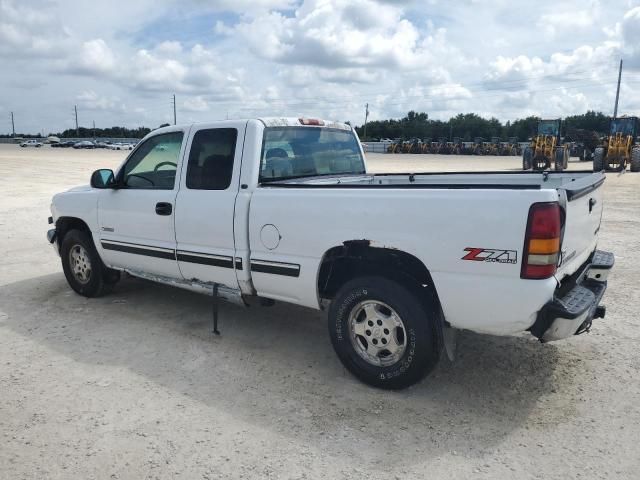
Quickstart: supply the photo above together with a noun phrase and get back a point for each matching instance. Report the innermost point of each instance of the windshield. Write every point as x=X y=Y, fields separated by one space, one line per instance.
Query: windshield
x=291 y=152
x=548 y=127
x=625 y=126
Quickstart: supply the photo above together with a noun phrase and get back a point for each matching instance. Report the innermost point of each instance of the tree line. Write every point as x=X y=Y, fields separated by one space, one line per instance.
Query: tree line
x=470 y=125
x=111 y=132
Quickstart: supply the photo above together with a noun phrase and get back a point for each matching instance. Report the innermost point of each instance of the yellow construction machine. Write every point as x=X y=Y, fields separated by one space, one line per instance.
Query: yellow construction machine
x=546 y=148
x=620 y=148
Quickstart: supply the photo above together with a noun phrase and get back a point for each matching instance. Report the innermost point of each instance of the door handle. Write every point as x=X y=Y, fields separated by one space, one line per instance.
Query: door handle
x=163 y=208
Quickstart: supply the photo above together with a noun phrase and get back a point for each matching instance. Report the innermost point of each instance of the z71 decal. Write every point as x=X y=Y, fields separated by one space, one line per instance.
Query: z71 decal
x=491 y=255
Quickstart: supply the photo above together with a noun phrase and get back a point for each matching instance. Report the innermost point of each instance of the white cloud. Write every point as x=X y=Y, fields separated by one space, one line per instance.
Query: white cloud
x=339 y=33
x=28 y=31
x=96 y=57
x=90 y=100
x=196 y=104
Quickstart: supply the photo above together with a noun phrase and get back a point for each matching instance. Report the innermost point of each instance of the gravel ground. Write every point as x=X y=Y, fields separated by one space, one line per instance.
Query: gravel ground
x=132 y=385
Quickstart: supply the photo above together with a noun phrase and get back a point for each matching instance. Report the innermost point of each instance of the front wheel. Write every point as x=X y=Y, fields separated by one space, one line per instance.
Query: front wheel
x=598 y=159
x=383 y=332
x=83 y=267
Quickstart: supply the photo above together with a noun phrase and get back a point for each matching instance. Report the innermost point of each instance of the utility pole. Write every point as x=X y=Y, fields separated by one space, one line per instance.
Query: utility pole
x=366 y=116
x=615 y=109
x=94 y=129
x=13 y=126
x=174 y=109
x=75 y=108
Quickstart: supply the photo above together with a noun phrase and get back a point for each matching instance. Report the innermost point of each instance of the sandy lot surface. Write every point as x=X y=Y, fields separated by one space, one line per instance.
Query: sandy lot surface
x=133 y=386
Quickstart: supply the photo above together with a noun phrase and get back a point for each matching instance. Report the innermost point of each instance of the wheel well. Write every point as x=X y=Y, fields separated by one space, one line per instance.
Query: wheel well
x=65 y=224
x=356 y=258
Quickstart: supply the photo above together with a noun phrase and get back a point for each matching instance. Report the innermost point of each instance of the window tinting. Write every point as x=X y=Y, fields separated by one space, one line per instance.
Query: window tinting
x=153 y=165
x=211 y=159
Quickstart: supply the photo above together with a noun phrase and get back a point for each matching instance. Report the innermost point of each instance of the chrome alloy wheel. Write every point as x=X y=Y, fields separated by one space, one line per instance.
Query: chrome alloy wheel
x=80 y=264
x=377 y=333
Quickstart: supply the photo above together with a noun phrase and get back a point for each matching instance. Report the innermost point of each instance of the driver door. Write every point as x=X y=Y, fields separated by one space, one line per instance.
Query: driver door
x=136 y=219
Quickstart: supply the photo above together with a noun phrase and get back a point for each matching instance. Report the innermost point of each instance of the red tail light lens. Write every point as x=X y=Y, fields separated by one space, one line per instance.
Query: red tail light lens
x=542 y=241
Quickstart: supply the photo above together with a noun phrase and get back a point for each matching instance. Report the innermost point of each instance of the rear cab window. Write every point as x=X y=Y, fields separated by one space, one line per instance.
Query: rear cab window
x=295 y=152
x=210 y=165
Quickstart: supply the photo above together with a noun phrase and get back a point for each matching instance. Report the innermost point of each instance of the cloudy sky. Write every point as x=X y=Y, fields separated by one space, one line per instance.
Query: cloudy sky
x=121 y=61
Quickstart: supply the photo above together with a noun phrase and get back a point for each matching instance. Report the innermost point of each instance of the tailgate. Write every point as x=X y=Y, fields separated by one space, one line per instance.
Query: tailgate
x=582 y=202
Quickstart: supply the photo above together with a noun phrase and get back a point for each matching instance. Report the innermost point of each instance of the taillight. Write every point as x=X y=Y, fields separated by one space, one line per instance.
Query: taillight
x=542 y=241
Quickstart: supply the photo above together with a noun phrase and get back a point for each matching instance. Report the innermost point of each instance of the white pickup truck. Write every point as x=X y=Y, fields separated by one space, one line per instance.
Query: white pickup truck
x=284 y=209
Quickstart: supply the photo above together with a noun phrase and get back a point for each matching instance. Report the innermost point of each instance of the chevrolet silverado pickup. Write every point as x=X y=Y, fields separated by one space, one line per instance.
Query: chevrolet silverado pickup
x=284 y=209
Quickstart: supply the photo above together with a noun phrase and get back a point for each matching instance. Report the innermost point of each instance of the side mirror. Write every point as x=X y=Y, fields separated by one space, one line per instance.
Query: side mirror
x=103 y=178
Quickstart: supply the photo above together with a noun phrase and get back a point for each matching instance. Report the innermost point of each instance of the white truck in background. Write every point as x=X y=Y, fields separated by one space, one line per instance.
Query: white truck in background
x=284 y=209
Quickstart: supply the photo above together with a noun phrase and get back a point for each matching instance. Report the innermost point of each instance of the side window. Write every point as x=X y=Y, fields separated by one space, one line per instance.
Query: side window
x=211 y=159
x=153 y=165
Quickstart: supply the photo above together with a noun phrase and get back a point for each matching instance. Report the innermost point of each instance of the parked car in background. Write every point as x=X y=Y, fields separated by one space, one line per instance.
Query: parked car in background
x=84 y=144
x=31 y=143
x=65 y=144
x=120 y=146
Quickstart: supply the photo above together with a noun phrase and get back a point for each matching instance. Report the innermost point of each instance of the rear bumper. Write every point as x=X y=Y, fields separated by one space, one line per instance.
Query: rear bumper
x=577 y=302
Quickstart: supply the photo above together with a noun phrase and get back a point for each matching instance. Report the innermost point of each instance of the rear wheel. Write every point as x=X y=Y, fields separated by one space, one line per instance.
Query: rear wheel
x=383 y=332
x=83 y=268
x=635 y=159
x=527 y=159
x=598 y=159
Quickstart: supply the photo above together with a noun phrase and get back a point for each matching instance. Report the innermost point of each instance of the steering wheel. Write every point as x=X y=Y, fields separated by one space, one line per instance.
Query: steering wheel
x=142 y=177
x=162 y=164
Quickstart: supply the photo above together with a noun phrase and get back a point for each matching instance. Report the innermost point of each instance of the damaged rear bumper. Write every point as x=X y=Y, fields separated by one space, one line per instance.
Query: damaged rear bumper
x=577 y=302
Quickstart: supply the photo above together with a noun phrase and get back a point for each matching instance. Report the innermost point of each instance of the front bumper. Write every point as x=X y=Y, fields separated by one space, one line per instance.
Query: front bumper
x=576 y=302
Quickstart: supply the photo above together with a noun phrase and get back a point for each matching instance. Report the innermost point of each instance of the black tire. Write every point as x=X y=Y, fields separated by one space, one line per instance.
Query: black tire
x=560 y=160
x=598 y=159
x=421 y=346
x=527 y=159
x=100 y=279
x=635 y=159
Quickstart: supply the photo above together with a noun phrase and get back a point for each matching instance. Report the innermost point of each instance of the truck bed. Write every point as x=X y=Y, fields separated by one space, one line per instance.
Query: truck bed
x=573 y=182
x=434 y=217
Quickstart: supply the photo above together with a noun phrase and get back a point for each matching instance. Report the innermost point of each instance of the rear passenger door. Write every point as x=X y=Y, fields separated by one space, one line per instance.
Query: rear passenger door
x=206 y=201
